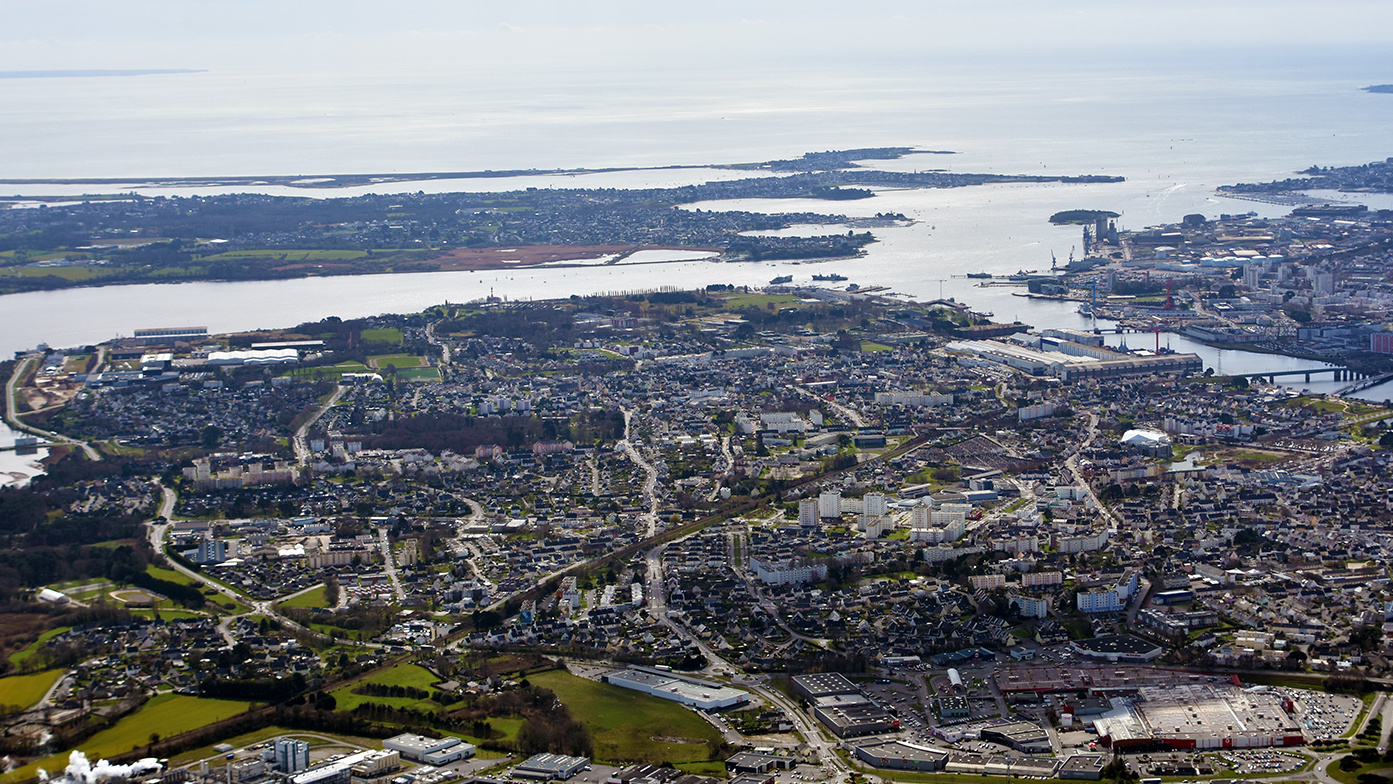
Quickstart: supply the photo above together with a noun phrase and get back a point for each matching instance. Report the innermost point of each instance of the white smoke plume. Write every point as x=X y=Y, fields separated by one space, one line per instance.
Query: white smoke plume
x=80 y=770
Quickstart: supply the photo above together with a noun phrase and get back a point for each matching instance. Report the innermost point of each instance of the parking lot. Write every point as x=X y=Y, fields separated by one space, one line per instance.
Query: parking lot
x=1323 y=716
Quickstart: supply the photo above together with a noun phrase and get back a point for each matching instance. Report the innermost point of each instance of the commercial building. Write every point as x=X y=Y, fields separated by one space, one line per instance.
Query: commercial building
x=822 y=684
x=1019 y=735
x=431 y=751
x=1117 y=648
x=1199 y=716
x=691 y=692
x=1088 y=767
x=899 y=755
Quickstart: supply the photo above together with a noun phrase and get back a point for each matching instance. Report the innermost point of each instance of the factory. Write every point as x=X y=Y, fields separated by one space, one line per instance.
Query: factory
x=1069 y=361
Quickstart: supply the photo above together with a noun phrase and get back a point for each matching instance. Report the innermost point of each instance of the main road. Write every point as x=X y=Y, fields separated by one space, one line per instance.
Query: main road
x=12 y=415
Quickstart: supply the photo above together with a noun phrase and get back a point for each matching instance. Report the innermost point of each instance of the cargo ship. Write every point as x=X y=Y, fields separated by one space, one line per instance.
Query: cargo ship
x=832 y=276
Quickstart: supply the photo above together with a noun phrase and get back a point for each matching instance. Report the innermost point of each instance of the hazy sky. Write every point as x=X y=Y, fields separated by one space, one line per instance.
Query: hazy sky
x=348 y=35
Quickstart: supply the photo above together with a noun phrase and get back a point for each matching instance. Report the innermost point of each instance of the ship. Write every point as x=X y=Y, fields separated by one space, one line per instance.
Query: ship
x=832 y=276
x=979 y=275
x=782 y=279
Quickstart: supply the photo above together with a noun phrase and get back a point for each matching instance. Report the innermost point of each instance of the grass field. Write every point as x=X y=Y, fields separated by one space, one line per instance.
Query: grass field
x=332 y=372
x=624 y=723
x=390 y=336
x=165 y=715
x=396 y=361
x=400 y=675
x=313 y=598
x=761 y=301
x=19 y=657
x=419 y=374
x=25 y=690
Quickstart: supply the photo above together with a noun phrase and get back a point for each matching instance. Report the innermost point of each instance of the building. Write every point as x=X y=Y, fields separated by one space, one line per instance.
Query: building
x=829 y=505
x=1019 y=735
x=291 y=756
x=694 y=693
x=808 y=512
x=170 y=334
x=1117 y=648
x=546 y=767
x=431 y=751
x=1199 y=716
x=822 y=684
x=900 y=755
x=1083 y=766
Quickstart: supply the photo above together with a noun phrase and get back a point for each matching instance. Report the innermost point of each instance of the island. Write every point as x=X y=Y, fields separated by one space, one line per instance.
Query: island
x=94 y=241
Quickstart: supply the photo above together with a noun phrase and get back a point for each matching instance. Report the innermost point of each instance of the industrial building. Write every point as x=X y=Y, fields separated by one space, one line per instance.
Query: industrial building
x=1199 y=716
x=431 y=751
x=1068 y=361
x=363 y=765
x=691 y=692
x=546 y=767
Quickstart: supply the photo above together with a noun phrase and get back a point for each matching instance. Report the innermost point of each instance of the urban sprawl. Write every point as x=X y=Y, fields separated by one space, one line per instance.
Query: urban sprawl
x=798 y=533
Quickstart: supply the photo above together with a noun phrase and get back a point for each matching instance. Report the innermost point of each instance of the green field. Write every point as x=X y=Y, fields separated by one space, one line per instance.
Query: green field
x=419 y=374
x=23 y=691
x=400 y=675
x=396 y=361
x=332 y=372
x=624 y=723
x=390 y=336
x=313 y=598
x=761 y=301
x=165 y=715
x=19 y=657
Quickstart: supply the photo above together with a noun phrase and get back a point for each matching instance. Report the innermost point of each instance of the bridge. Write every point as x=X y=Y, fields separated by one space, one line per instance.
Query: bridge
x=1336 y=374
x=1365 y=383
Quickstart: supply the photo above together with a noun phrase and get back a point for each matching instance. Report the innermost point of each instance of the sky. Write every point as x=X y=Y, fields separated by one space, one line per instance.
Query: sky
x=352 y=36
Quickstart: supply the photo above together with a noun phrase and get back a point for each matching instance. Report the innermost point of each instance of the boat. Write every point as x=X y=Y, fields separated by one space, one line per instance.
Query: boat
x=781 y=280
x=832 y=276
x=980 y=275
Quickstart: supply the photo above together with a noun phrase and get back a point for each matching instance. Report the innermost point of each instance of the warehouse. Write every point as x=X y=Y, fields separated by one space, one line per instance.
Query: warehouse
x=431 y=751
x=551 y=766
x=691 y=692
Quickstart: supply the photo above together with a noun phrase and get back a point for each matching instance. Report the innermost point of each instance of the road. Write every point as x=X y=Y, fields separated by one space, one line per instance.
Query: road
x=389 y=563
x=650 y=484
x=302 y=447
x=656 y=605
x=1072 y=463
x=12 y=417
x=158 y=529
